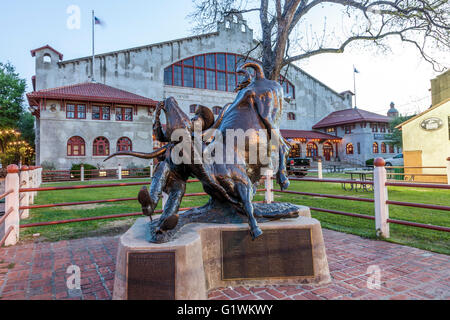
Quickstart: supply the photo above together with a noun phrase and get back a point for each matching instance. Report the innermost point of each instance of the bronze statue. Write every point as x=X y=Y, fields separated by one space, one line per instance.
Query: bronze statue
x=230 y=184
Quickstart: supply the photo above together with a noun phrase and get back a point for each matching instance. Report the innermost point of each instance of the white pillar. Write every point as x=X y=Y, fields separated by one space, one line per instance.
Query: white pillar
x=151 y=168
x=380 y=198
x=268 y=182
x=25 y=182
x=119 y=172
x=448 y=170
x=319 y=168
x=12 y=201
x=82 y=173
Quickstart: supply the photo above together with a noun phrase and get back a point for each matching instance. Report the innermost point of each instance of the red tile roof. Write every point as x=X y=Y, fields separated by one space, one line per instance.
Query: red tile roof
x=307 y=135
x=349 y=116
x=90 y=91
x=33 y=52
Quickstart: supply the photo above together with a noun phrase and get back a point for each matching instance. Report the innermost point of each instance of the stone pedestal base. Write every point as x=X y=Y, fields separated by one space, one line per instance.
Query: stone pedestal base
x=204 y=256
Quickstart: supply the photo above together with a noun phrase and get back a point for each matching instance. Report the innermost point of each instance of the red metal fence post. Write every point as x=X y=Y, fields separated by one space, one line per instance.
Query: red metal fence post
x=380 y=198
x=12 y=205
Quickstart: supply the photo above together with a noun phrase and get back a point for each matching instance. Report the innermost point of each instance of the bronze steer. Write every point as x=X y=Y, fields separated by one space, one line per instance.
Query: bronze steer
x=256 y=107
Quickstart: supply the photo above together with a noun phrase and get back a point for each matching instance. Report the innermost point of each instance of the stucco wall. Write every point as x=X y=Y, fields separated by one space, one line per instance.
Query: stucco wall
x=55 y=131
x=141 y=71
x=435 y=145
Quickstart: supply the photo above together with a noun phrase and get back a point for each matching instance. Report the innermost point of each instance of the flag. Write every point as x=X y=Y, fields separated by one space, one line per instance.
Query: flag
x=98 y=21
x=354 y=70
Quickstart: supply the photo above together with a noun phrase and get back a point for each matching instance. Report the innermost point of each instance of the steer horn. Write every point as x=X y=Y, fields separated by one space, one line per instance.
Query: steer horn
x=141 y=155
x=255 y=66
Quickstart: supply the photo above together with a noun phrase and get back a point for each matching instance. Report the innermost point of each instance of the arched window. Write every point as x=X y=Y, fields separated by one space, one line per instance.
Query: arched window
x=291 y=116
x=296 y=151
x=47 y=58
x=375 y=147
x=101 y=147
x=124 y=144
x=214 y=71
x=311 y=150
x=391 y=148
x=383 y=147
x=216 y=110
x=349 y=148
x=76 y=147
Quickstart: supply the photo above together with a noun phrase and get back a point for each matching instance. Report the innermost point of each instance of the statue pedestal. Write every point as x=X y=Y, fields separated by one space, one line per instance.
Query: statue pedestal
x=204 y=256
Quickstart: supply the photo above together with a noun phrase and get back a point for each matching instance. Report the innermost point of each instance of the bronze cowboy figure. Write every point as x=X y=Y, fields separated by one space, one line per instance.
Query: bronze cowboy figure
x=231 y=184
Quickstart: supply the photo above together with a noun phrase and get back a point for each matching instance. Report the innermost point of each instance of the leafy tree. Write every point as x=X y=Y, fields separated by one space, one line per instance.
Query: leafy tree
x=291 y=31
x=396 y=135
x=12 y=89
x=13 y=149
x=26 y=127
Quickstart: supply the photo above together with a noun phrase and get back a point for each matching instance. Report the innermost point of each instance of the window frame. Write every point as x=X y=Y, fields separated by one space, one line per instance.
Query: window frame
x=198 y=62
x=123 y=113
x=101 y=112
x=119 y=144
x=95 y=148
x=80 y=142
x=375 y=148
x=349 y=149
x=75 y=112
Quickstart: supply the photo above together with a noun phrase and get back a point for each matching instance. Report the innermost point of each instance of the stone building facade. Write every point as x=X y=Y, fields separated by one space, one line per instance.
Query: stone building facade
x=194 y=70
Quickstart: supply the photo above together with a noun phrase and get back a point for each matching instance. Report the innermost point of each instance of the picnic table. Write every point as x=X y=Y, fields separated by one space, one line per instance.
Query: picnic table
x=334 y=168
x=360 y=175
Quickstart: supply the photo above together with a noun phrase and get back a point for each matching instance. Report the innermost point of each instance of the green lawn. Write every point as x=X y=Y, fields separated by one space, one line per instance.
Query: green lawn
x=417 y=237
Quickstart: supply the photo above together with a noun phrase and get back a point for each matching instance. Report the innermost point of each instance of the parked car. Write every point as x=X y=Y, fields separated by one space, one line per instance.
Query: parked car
x=298 y=166
x=396 y=161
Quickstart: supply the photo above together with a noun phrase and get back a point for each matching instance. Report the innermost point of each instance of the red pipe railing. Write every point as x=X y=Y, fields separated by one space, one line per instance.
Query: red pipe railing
x=419 y=225
x=3 y=218
x=2 y=241
x=418 y=205
x=325 y=195
x=112 y=216
x=3 y=195
x=357 y=215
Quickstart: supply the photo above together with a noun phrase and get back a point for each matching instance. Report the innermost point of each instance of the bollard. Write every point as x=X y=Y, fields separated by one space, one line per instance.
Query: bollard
x=119 y=172
x=448 y=170
x=380 y=197
x=24 y=199
x=319 y=168
x=12 y=205
x=82 y=173
x=268 y=182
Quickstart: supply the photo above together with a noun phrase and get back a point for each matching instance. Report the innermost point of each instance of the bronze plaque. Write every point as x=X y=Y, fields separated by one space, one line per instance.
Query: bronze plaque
x=151 y=276
x=277 y=253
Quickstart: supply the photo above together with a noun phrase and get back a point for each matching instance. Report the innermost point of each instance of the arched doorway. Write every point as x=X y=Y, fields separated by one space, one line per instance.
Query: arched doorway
x=327 y=151
x=311 y=150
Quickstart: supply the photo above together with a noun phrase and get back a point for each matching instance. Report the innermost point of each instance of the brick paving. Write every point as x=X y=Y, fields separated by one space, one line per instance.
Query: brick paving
x=38 y=271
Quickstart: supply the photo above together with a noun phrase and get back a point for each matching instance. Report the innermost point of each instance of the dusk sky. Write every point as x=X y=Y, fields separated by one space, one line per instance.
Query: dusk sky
x=401 y=76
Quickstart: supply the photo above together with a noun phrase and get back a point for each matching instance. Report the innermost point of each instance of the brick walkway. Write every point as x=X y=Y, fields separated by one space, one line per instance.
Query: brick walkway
x=38 y=271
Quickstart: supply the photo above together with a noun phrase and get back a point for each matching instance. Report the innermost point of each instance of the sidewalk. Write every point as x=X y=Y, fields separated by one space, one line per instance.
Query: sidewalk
x=38 y=271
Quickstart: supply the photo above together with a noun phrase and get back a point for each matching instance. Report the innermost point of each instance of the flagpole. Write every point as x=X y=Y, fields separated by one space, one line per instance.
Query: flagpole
x=93 y=46
x=354 y=83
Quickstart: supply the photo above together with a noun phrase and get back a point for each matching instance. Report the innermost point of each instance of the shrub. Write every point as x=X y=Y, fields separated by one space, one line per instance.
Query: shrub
x=369 y=162
x=75 y=171
x=47 y=165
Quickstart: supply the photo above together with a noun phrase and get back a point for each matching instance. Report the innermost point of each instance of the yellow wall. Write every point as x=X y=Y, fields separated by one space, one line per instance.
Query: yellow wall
x=434 y=145
x=440 y=88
